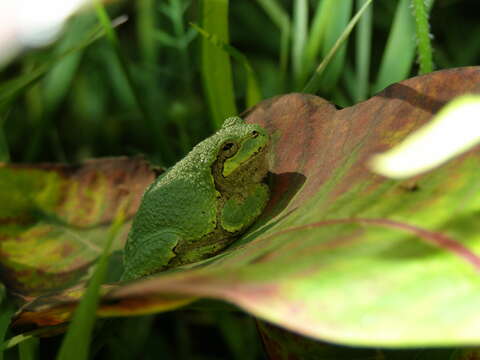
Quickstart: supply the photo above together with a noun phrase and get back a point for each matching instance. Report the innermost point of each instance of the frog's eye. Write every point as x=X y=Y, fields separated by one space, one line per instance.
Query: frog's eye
x=229 y=149
x=254 y=134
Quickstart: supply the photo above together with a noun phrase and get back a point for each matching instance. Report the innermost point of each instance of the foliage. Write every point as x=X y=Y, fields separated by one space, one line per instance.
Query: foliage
x=159 y=90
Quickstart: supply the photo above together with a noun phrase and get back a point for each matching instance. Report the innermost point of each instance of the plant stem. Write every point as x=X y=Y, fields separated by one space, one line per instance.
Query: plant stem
x=423 y=37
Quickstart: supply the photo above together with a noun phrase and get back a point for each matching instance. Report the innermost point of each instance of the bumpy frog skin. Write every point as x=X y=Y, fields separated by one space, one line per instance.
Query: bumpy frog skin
x=200 y=205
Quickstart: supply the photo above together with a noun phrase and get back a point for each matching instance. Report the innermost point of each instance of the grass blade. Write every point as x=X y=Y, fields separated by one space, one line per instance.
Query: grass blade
x=150 y=123
x=276 y=13
x=216 y=67
x=362 y=52
x=28 y=349
x=146 y=31
x=182 y=40
x=44 y=98
x=58 y=81
x=423 y=37
x=300 y=25
x=317 y=32
x=6 y=312
x=282 y=20
x=253 y=94
x=4 y=149
x=399 y=52
x=76 y=343
x=314 y=83
x=342 y=11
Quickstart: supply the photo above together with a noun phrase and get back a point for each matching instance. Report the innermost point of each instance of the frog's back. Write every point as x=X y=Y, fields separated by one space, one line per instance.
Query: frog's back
x=181 y=218
x=182 y=200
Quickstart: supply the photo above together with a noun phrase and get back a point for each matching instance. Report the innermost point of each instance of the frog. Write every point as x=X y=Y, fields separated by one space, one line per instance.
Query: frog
x=198 y=207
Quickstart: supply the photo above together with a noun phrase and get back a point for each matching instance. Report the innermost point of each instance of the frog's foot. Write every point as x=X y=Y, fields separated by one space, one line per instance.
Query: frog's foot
x=155 y=253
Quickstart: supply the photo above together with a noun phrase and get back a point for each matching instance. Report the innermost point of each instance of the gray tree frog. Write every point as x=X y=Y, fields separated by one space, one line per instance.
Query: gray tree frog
x=200 y=205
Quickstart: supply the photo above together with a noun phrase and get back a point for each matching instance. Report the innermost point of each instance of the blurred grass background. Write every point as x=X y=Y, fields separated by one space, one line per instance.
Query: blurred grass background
x=82 y=105
x=156 y=86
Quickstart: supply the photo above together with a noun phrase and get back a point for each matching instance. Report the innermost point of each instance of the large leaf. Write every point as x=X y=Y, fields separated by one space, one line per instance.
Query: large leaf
x=54 y=219
x=342 y=254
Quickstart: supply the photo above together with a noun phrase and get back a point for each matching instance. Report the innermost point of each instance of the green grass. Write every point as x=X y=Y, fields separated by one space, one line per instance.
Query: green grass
x=253 y=94
x=154 y=85
x=216 y=67
x=397 y=57
x=76 y=343
x=28 y=350
x=281 y=19
x=314 y=84
x=149 y=78
x=4 y=151
x=6 y=311
x=363 y=48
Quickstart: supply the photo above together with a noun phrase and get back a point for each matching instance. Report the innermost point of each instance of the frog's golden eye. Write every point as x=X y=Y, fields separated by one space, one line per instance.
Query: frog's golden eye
x=254 y=134
x=229 y=149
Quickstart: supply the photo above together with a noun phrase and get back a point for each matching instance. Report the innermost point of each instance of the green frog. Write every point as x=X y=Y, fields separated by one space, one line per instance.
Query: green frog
x=203 y=203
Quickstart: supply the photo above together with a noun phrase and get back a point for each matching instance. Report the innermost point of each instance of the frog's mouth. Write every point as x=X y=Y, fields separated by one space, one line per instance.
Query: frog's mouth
x=250 y=149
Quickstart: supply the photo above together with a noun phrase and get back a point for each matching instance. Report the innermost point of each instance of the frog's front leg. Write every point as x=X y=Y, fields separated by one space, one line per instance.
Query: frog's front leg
x=241 y=209
x=153 y=255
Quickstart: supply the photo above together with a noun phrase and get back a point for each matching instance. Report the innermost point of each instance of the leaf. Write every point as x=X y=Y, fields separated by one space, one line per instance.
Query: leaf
x=280 y=344
x=341 y=254
x=55 y=218
x=450 y=132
